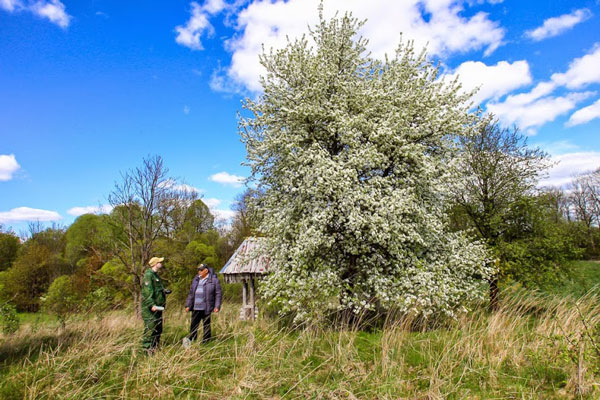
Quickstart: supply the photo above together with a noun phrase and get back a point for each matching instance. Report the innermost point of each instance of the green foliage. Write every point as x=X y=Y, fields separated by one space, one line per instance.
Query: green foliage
x=89 y=237
x=39 y=262
x=198 y=219
x=197 y=252
x=62 y=298
x=8 y=318
x=536 y=248
x=9 y=247
x=8 y=314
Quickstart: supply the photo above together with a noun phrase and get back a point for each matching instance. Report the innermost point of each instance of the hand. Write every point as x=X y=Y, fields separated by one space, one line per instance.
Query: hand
x=153 y=309
x=187 y=309
x=216 y=310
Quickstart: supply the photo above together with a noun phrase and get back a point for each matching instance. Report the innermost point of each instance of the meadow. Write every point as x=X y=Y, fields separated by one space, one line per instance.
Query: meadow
x=538 y=345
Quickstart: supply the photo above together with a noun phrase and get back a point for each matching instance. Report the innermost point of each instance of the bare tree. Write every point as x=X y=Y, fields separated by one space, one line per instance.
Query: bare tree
x=585 y=202
x=144 y=201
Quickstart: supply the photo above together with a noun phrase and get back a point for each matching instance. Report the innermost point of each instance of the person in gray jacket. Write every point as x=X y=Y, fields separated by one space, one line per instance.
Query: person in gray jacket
x=204 y=299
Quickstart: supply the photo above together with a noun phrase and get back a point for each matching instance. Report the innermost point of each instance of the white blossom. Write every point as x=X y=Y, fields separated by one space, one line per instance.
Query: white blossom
x=355 y=157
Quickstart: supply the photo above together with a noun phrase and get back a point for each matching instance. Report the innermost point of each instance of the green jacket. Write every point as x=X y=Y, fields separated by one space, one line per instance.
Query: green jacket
x=153 y=291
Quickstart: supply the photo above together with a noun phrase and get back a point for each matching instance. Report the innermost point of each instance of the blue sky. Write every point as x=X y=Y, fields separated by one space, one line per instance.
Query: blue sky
x=88 y=88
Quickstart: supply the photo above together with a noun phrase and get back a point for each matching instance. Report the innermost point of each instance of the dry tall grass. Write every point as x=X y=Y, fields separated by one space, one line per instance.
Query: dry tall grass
x=534 y=347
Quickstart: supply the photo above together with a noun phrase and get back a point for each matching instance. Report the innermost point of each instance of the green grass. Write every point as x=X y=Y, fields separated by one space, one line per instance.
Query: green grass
x=522 y=351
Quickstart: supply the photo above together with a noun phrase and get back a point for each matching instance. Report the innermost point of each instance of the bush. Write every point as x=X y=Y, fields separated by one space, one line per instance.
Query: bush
x=62 y=298
x=8 y=318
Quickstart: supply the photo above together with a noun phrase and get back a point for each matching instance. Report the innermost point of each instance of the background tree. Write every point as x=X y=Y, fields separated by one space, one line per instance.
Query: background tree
x=197 y=220
x=246 y=219
x=40 y=261
x=584 y=196
x=499 y=173
x=9 y=247
x=143 y=202
x=352 y=154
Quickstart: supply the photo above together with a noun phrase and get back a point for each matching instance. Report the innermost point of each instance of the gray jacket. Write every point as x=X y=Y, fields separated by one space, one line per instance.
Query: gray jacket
x=212 y=292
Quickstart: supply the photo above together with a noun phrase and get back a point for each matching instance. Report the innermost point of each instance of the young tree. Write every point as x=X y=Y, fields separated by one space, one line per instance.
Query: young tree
x=499 y=170
x=143 y=202
x=352 y=156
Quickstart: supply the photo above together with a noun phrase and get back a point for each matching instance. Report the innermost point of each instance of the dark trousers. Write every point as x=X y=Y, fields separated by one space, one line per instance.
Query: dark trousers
x=153 y=327
x=197 y=316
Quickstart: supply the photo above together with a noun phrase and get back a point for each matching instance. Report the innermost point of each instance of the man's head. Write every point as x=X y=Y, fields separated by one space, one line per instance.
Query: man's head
x=156 y=263
x=202 y=270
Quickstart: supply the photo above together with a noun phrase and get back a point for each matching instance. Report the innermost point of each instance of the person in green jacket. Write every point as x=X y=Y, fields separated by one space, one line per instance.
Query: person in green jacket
x=153 y=304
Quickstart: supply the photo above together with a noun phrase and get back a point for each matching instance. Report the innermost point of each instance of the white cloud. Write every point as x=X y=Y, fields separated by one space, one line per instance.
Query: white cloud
x=436 y=23
x=494 y=80
x=211 y=202
x=528 y=111
x=189 y=34
x=184 y=187
x=223 y=214
x=219 y=213
x=8 y=166
x=557 y=25
x=227 y=179
x=21 y=214
x=186 y=110
x=570 y=164
x=584 y=115
x=11 y=5
x=53 y=10
x=582 y=71
x=102 y=209
x=187 y=188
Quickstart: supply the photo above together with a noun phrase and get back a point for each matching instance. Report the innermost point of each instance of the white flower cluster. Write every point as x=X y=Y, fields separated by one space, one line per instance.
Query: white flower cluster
x=355 y=160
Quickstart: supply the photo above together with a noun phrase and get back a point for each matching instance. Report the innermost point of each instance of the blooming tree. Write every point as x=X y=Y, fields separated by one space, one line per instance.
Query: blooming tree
x=354 y=157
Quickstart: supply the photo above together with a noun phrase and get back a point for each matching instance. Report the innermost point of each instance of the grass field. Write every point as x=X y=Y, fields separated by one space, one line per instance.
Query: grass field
x=536 y=346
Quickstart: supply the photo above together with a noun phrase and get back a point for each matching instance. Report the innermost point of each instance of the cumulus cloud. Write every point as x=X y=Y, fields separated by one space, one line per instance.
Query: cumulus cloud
x=188 y=35
x=186 y=110
x=570 y=164
x=226 y=178
x=582 y=71
x=102 y=209
x=211 y=202
x=557 y=25
x=584 y=115
x=532 y=109
x=53 y=10
x=493 y=81
x=439 y=24
x=221 y=214
x=529 y=112
x=8 y=166
x=21 y=214
x=11 y=5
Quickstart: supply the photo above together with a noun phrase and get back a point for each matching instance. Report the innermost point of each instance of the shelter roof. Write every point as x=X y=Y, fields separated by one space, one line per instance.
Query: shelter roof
x=247 y=259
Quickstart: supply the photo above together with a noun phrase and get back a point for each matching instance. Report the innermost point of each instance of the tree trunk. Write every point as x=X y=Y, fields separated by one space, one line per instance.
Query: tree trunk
x=494 y=294
x=137 y=297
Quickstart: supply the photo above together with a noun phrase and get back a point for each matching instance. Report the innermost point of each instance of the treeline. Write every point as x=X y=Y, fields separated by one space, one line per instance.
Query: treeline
x=98 y=261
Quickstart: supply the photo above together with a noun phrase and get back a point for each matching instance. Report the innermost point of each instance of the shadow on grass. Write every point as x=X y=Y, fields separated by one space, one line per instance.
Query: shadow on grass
x=14 y=350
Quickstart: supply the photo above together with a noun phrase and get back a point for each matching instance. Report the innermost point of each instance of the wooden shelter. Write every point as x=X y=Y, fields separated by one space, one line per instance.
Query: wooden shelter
x=247 y=265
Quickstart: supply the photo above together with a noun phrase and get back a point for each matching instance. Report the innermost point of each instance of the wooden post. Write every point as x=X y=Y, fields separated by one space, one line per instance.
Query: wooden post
x=252 y=305
x=244 y=313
